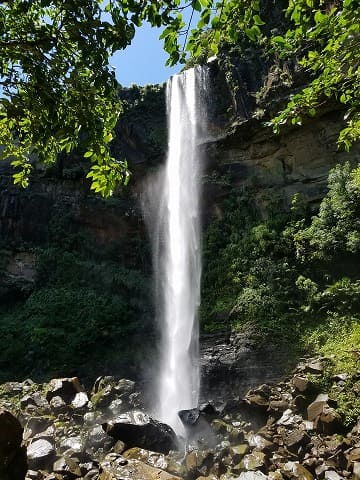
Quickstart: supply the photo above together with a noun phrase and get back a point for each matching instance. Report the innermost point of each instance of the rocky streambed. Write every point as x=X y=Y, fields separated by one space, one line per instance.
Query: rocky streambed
x=288 y=430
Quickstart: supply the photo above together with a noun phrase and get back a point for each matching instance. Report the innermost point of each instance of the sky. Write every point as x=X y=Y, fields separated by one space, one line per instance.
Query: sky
x=143 y=62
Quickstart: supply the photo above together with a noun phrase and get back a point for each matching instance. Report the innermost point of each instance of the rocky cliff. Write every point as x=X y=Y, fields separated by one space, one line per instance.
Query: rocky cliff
x=57 y=210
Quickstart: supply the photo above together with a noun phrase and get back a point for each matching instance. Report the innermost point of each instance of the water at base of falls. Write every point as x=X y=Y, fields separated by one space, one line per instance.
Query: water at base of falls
x=175 y=231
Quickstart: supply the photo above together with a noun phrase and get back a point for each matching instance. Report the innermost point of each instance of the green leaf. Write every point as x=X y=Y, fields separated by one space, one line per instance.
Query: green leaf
x=257 y=20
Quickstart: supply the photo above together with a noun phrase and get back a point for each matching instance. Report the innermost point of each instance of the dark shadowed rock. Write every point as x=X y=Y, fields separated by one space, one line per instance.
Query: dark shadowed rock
x=13 y=463
x=189 y=417
x=137 y=429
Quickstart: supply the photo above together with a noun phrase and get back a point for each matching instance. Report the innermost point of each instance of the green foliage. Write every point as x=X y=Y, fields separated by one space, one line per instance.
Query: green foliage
x=328 y=33
x=87 y=306
x=255 y=275
x=338 y=338
x=60 y=328
x=58 y=91
x=336 y=229
x=249 y=272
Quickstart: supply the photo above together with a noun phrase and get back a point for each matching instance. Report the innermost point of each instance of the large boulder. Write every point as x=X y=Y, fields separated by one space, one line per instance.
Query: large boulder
x=137 y=429
x=13 y=465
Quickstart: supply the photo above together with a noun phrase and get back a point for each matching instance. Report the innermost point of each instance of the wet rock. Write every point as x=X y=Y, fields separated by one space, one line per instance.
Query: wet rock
x=97 y=439
x=137 y=429
x=189 y=417
x=76 y=444
x=107 y=389
x=65 y=388
x=132 y=469
x=221 y=427
x=41 y=454
x=13 y=463
x=36 y=400
x=119 y=447
x=278 y=406
x=259 y=442
x=208 y=409
x=352 y=456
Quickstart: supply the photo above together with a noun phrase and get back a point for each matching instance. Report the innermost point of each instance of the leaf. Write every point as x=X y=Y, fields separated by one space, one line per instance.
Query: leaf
x=257 y=20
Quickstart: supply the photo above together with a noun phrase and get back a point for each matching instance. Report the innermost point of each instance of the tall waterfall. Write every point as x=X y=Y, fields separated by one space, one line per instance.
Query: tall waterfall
x=175 y=226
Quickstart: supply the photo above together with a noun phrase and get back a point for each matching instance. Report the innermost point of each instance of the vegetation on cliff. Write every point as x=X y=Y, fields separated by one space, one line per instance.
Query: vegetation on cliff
x=291 y=280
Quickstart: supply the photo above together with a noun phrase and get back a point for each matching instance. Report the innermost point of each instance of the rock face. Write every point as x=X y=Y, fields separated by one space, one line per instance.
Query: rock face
x=232 y=363
x=13 y=464
x=137 y=429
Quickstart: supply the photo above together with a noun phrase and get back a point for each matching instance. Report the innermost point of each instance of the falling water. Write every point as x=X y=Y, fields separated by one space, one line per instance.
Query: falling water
x=176 y=245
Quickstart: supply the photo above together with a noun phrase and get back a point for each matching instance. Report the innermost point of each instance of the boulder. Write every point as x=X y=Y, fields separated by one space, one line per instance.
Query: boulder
x=137 y=429
x=13 y=464
x=316 y=407
x=80 y=401
x=296 y=439
x=189 y=417
x=301 y=384
x=41 y=454
x=65 y=388
x=329 y=421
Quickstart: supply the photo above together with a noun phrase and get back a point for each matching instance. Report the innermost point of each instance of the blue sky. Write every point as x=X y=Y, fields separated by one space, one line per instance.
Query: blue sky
x=143 y=62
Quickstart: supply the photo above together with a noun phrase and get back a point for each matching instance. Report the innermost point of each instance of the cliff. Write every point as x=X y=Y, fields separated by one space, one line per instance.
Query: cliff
x=60 y=242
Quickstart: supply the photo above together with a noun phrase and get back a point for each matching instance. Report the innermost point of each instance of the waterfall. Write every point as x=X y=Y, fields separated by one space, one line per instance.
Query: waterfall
x=175 y=227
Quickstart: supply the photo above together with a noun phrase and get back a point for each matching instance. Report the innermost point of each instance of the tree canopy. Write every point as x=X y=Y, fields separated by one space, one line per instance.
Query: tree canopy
x=58 y=91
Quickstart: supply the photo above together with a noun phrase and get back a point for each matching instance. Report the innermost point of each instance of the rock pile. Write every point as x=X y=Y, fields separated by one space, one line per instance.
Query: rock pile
x=287 y=431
